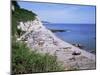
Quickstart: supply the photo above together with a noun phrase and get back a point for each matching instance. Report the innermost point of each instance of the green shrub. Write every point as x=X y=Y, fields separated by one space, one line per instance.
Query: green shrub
x=26 y=61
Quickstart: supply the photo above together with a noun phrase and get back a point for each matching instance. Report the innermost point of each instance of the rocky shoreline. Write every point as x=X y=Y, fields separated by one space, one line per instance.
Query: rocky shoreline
x=39 y=38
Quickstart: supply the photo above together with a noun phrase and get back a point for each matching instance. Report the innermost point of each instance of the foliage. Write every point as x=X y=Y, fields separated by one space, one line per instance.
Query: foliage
x=20 y=15
x=26 y=61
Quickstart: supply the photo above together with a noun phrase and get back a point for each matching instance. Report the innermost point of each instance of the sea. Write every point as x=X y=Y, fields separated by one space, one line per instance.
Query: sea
x=84 y=34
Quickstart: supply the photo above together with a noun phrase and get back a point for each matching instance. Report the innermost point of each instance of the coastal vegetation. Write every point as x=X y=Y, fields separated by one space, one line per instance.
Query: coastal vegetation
x=26 y=61
x=19 y=15
x=23 y=59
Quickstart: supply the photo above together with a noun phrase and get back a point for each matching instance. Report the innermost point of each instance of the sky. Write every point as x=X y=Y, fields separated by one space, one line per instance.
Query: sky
x=62 y=13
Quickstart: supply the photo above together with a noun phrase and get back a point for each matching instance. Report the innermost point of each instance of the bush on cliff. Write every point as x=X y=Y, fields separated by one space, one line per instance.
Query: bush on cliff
x=20 y=15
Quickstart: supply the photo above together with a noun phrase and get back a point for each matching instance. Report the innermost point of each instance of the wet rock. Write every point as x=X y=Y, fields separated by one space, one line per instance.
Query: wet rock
x=93 y=51
x=76 y=53
x=78 y=45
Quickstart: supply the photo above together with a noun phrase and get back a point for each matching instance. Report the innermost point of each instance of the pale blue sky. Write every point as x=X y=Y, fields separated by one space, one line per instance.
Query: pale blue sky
x=61 y=13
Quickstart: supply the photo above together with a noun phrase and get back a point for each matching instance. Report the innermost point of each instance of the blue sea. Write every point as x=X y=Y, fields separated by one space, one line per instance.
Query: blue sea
x=84 y=34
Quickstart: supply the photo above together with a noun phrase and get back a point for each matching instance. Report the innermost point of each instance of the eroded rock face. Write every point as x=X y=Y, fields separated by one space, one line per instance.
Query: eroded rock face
x=43 y=40
x=30 y=25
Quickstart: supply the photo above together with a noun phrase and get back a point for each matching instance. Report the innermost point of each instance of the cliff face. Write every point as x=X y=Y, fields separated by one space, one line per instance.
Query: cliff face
x=26 y=27
x=39 y=38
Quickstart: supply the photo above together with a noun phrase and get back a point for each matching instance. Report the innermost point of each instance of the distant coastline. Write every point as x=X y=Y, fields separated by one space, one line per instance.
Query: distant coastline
x=57 y=30
x=47 y=22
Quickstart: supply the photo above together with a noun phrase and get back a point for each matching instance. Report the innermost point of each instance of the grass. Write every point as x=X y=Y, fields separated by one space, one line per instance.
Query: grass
x=26 y=61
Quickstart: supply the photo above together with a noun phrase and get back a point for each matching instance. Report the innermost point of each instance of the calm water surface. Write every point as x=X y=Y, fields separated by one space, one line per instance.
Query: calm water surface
x=83 y=34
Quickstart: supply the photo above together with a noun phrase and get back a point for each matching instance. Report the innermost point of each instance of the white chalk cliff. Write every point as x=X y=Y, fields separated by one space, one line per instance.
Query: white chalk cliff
x=39 y=38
